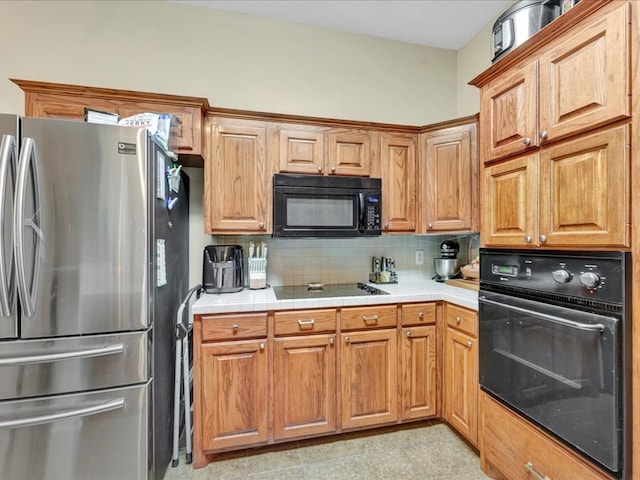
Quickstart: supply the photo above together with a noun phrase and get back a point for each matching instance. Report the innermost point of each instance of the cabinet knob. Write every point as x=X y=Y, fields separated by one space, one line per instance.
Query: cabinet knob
x=386 y=226
x=261 y=225
x=526 y=140
x=333 y=169
x=234 y=327
x=469 y=344
x=430 y=226
x=420 y=315
x=544 y=134
x=458 y=320
x=527 y=239
x=543 y=238
x=262 y=346
x=331 y=341
x=408 y=333
x=319 y=169
x=347 y=339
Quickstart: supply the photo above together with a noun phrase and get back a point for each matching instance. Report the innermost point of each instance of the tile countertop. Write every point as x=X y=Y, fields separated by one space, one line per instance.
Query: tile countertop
x=402 y=292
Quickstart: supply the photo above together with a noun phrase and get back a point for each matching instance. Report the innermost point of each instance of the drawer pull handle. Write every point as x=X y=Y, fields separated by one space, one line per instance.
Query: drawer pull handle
x=373 y=319
x=235 y=327
x=262 y=346
x=420 y=315
x=458 y=320
x=529 y=466
x=347 y=339
x=408 y=333
x=469 y=344
x=303 y=323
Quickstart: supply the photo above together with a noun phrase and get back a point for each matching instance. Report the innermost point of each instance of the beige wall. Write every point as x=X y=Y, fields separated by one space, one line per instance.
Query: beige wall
x=235 y=61
x=473 y=59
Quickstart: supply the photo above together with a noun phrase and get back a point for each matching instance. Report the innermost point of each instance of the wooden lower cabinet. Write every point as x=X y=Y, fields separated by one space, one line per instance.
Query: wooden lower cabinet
x=513 y=449
x=369 y=378
x=418 y=373
x=234 y=394
x=460 y=394
x=304 y=386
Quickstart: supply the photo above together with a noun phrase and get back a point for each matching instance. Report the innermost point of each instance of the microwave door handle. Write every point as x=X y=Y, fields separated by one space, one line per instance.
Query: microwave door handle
x=588 y=327
x=361 y=212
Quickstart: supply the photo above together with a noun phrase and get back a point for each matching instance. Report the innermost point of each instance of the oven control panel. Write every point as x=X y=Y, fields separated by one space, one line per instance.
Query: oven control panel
x=594 y=275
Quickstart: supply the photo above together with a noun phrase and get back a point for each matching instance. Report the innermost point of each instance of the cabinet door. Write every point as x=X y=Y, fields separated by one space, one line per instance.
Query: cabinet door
x=349 y=153
x=509 y=107
x=584 y=81
x=398 y=167
x=460 y=396
x=301 y=150
x=304 y=386
x=369 y=378
x=510 y=203
x=234 y=394
x=418 y=372
x=584 y=191
x=236 y=178
x=450 y=195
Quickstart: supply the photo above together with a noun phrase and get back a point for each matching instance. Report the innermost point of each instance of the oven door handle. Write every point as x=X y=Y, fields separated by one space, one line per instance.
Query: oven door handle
x=588 y=327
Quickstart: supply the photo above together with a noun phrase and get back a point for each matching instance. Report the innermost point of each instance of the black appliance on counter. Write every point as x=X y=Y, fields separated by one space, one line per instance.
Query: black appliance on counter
x=447 y=265
x=223 y=269
x=555 y=345
x=326 y=206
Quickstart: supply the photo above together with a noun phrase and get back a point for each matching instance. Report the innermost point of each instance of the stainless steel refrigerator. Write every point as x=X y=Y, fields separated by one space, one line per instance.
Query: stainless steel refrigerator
x=93 y=265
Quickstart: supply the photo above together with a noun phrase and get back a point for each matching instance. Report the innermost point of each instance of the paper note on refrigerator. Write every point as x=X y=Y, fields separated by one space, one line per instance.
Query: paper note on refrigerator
x=161 y=263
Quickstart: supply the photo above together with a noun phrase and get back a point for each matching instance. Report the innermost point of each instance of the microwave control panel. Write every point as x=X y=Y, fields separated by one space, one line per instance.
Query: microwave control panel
x=373 y=211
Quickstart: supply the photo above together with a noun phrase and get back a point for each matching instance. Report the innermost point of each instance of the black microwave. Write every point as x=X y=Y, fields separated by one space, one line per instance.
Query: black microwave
x=326 y=206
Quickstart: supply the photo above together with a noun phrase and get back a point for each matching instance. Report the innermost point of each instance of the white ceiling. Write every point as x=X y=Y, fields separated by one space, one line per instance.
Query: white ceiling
x=435 y=23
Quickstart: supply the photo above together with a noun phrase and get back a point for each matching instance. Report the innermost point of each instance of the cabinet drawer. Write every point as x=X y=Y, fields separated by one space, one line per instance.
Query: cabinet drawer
x=513 y=447
x=231 y=327
x=418 y=314
x=462 y=319
x=305 y=321
x=381 y=316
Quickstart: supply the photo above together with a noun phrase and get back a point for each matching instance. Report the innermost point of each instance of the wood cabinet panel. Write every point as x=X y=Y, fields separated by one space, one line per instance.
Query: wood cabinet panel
x=304 y=379
x=398 y=166
x=237 y=174
x=462 y=319
x=513 y=449
x=449 y=196
x=358 y=318
x=584 y=191
x=510 y=206
x=305 y=321
x=234 y=394
x=418 y=372
x=418 y=314
x=349 y=153
x=301 y=149
x=369 y=378
x=234 y=326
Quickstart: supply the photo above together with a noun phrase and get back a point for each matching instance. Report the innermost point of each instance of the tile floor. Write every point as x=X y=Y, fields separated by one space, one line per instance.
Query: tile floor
x=428 y=450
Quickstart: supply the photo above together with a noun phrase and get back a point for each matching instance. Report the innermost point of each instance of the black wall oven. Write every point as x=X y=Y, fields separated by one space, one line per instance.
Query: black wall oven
x=555 y=344
x=326 y=206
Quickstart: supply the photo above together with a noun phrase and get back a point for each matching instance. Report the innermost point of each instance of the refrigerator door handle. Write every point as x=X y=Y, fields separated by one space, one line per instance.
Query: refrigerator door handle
x=7 y=271
x=56 y=357
x=56 y=417
x=27 y=289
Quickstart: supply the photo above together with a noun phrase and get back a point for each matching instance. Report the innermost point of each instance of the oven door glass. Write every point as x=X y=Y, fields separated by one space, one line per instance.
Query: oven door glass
x=560 y=367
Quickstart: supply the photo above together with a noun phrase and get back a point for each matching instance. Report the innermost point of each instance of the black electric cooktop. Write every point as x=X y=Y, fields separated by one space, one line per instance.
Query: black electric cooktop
x=326 y=291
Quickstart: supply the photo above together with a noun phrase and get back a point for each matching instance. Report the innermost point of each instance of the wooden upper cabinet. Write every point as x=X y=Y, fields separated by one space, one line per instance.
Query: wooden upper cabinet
x=510 y=202
x=237 y=176
x=398 y=166
x=449 y=171
x=301 y=149
x=349 y=153
x=584 y=191
x=584 y=80
x=575 y=84
x=509 y=113
x=68 y=102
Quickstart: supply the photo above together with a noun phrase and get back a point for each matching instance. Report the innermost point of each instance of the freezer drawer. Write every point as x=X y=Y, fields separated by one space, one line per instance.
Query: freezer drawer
x=100 y=435
x=30 y=368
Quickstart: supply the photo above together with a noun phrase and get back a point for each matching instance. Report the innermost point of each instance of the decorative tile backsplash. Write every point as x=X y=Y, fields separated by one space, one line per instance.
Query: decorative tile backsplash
x=332 y=261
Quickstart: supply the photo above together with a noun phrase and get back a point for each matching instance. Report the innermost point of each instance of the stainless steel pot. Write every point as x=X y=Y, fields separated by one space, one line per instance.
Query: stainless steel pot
x=446 y=267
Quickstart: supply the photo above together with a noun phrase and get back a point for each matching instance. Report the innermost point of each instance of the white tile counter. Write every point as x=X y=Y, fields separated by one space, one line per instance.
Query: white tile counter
x=403 y=292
